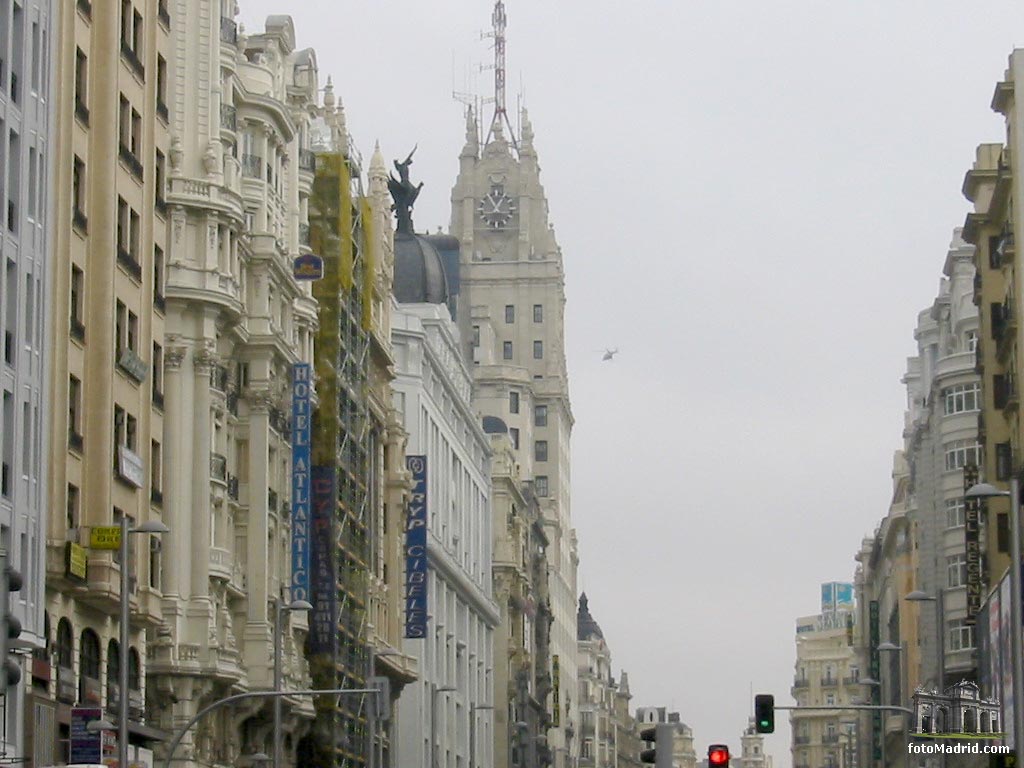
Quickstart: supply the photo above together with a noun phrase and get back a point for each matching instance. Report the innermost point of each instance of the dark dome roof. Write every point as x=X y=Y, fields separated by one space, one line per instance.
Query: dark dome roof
x=495 y=426
x=586 y=627
x=419 y=271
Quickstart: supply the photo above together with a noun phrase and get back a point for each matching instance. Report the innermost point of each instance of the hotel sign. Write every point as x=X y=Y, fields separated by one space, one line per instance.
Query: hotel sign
x=105 y=537
x=972 y=546
x=301 y=421
x=308 y=267
x=416 y=550
x=556 y=703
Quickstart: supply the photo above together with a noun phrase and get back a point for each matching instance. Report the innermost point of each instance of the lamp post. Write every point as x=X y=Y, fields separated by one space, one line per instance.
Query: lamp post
x=371 y=707
x=433 y=718
x=281 y=609
x=986 y=491
x=152 y=526
x=473 y=709
x=903 y=684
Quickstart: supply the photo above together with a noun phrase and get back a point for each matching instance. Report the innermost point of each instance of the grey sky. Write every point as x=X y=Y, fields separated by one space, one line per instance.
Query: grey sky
x=754 y=200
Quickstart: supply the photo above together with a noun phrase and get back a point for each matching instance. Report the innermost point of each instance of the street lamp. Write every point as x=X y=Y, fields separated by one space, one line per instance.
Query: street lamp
x=371 y=707
x=904 y=684
x=294 y=605
x=151 y=526
x=433 y=718
x=986 y=491
x=473 y=708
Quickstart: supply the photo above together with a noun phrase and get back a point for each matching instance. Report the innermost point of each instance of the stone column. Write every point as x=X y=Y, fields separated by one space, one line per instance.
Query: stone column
x=203 y=360
x=257 y=631
x=176 y=582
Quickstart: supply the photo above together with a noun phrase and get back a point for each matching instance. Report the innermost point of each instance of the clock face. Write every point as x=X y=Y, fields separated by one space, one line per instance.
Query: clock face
x=496 y=208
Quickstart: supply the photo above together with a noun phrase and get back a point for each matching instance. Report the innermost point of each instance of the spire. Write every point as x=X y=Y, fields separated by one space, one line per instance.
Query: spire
x=377 y=165
x=499 y=21
x=526 y=140
x=472 y=147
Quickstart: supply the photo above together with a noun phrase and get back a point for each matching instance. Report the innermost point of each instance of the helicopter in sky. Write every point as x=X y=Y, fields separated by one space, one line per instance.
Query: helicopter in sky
x=609 y=354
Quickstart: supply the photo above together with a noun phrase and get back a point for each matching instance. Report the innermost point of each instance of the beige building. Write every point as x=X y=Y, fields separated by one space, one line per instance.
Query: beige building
x=827 y=673
x=522 y=678
x=683 y=753
x=752 y=754
x=108 y=314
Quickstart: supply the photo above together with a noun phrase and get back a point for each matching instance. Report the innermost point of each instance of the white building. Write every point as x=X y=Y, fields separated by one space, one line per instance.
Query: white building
x=446 y=718
x=943 y=402
x=25 y=146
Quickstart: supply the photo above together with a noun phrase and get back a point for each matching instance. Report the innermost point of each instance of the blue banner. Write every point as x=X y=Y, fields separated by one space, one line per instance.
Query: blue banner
x=416 y=550
x=323 y=624
x=301 y=421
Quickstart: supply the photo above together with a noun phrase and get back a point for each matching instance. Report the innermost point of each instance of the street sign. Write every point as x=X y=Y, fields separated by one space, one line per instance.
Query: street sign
x=105 y=537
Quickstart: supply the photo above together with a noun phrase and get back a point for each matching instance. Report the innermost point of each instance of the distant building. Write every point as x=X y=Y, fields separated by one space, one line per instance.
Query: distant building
x=752 y=754
x=683 y=754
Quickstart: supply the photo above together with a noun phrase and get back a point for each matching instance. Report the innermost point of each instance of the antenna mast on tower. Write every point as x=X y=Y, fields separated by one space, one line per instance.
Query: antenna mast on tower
x=499 y=22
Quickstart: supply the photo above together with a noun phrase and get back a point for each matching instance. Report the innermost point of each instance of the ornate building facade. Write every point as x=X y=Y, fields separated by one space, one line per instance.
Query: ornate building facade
x=511 y=316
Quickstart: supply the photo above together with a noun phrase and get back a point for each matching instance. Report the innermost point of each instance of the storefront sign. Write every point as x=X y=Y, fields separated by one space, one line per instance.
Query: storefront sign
x=301 y=422
x=76 y=560
x=416 y=550
x=105 y=537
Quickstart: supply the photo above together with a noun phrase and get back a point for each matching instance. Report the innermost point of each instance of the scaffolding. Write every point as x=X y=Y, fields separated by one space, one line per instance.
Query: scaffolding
x=341 y=437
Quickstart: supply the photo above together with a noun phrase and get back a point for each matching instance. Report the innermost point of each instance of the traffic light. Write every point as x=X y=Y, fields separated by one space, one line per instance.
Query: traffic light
x=663 y=736
x=764 y=713
x=10 y=626
x=718 y=756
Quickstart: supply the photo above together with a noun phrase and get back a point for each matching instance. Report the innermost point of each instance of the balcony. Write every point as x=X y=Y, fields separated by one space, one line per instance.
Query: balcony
x=128 y=261
x=228 y=117
x=801 y=683
x=830 y=738
x=228 y=31
x=252 y=166
x=851 y=681
x=132 y=60
x=80 y=221
x=232 y=487
x=219 y=467
x=128 y=158
x=220 y=563
x=829 y=682
x=800 y=740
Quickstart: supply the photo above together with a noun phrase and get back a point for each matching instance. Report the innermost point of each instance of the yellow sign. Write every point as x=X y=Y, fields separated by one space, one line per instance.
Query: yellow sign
x=77 y=561
x=105 y=537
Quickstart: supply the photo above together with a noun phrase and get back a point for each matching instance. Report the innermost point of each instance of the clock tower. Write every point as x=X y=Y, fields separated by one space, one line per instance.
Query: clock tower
x=510 y=312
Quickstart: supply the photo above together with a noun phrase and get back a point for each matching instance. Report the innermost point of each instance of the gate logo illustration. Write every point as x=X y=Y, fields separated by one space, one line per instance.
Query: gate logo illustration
x=959 y=712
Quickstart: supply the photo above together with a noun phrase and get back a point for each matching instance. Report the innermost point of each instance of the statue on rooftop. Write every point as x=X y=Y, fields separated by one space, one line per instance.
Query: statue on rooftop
x=403 y=193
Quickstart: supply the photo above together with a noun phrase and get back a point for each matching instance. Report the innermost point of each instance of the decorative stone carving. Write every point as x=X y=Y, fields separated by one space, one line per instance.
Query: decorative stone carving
x=174 y=355
x=175 y=153
x=205 y=357
x=210 y=163
x=260 y=397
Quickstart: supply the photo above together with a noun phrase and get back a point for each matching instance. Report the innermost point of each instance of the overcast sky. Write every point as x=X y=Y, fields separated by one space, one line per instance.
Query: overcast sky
x=754 y=200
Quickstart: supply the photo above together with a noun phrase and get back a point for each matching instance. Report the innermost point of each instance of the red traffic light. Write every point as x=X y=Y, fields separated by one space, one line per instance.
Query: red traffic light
x=718 y=754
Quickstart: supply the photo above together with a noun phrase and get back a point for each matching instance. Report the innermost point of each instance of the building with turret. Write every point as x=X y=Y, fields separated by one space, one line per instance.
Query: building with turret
x=510 y=312
x=683 y=753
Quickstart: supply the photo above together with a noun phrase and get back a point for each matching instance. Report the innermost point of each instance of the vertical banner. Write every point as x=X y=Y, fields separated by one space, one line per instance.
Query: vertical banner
x=876 y=674
x=416 y=550
x=1006 y=659
x=972 y=545
x=556 y=702
x=301 y=422
x=323 y=625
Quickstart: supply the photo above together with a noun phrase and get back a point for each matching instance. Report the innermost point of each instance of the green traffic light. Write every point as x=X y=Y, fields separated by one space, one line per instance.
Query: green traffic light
x=765 y=723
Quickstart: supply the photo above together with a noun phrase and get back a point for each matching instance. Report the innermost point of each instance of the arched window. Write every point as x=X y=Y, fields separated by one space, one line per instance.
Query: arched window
x=89 y=662
x=940 y=720
x=113 y=671
x=65 y=644
x=970 y=724
x=134 y=671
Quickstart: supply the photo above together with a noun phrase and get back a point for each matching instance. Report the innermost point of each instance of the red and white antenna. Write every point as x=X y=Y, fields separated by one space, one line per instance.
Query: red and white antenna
x=498 y=23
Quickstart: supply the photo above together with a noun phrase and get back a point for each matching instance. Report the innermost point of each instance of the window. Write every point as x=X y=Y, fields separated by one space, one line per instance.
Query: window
x=961 y=635
x=506 y=350
x=540 y=415
x=540 y=485
x=513 y=433
x=81 y=86
x=65 y=651
x=956 y=570
x=538 y=313
x=540 y=450
x=971 y=341
x=830 y=699
x=120 y=326
x=961 y=398
x=113 y=672
x=960 y=453
x=513 y=402
x=118 y=430
x=954 y=512
x=74 y=411
x=73 y=511
x=538 y=350
x=158 y=276
x=158 y=374
x=77 y=302
x=476 y=335
x=161 y=86
x=131 y=433
x=510 y=313
x=160 y=169
x=78 y=192
x=155 y=466
x=89 y=662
